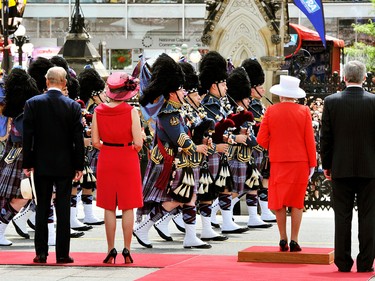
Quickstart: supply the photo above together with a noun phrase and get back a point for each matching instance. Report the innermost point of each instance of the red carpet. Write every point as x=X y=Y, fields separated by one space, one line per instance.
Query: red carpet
x=200 y=267
x=226 y=268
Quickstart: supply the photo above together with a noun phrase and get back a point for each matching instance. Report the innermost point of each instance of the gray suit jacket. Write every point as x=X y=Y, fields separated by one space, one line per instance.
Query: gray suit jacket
x=348 y=134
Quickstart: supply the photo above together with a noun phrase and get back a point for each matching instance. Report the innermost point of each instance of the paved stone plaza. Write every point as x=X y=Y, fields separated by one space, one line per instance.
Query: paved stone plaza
x=316 y=231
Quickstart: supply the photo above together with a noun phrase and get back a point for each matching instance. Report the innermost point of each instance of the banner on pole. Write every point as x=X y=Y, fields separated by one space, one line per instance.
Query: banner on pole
x=313 y=9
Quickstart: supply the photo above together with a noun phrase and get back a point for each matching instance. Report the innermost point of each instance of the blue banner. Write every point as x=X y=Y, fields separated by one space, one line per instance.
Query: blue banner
x=313 y=9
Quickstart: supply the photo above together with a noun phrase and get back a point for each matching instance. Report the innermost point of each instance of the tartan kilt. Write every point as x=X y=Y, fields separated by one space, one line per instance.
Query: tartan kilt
x=213 y=164
x=11 y=175
x=196 y=172
x=238 y=170
x=258 y=157
x=151 y=193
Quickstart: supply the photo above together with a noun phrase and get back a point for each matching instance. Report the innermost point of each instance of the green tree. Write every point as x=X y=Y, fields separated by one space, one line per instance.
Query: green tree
x=364 y=51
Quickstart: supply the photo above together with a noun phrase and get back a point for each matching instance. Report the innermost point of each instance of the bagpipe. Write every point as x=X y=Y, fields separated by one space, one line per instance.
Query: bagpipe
x=201 y=128
x=88 y=179
x=86 y=118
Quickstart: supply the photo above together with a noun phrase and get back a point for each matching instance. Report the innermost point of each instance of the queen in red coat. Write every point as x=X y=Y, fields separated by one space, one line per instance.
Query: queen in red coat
x=287 y=133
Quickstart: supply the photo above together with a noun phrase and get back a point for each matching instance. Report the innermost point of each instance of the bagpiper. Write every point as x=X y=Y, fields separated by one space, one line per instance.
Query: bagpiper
x=91 y=89
x=169 y=180
x=213 y=75
x=245 y=175
x=255 y=72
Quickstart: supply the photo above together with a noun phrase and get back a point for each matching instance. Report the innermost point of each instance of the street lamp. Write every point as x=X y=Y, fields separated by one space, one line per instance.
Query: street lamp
x=184 y=50
x=21 y=42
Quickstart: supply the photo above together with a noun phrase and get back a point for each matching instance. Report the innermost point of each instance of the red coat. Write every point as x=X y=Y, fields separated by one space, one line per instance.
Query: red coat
x=286 y=132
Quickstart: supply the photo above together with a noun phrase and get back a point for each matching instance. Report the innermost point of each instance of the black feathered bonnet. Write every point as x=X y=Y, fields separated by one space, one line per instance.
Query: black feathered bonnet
x=191 y=78
x=166 y=77
x=254 y=71
x=90 y=84
x=19 y=86
x=38 y=69
x=212 y=70
x=239 y=85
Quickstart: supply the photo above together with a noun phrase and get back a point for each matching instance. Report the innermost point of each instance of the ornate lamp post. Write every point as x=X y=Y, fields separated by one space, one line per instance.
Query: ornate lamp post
x=184 y=50
x=21 y=42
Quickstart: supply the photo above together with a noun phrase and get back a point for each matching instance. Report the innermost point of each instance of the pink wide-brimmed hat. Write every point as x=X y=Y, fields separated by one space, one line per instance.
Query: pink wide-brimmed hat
x=121 y=86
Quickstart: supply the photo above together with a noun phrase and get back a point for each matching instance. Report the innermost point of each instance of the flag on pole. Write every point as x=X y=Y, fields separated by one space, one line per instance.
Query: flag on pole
x=313 y=9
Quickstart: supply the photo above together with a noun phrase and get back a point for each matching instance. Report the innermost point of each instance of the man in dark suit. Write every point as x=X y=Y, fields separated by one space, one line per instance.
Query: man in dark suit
x=53 y=149
x=348 y=158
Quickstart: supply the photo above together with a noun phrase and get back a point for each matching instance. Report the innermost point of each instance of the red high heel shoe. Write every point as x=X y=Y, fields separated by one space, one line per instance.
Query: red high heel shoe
x=111 y=256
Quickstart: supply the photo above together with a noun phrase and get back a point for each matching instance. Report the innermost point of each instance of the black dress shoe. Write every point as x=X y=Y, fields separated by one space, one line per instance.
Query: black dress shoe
x=283 y=246
x=216 y=238
x=64 y=260
x=94 y=223
x=82 y=228
x=344 y=270
x=20 y=232
x=371 y=269
x=235 y=231
x=269 y=220
x=42 y=258
x=141 y=242
x=163 y=235
x=30 y=224
x=294 y=247
x=266 y=225
x=203 y=246
x=76 y=234
x=215 y=225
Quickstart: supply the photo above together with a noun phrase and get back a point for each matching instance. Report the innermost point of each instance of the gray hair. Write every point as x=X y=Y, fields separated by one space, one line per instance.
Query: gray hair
x=354 y=72
x=56 y=75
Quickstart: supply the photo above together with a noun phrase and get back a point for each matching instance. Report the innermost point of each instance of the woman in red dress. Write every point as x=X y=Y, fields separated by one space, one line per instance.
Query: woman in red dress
x=116 y=131
x=287 y=133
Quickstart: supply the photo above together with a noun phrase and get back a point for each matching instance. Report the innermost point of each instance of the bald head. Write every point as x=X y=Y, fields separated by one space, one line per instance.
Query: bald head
x=56 y=77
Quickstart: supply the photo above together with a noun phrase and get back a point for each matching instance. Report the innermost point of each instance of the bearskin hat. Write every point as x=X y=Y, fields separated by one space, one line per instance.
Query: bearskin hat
x=238 y=83
x=60 y=61
x=212 y=69
x=167 y=76
x=19 y=87
x=38 y=69
x=89 y=82
x=191 y=78
x=255 y=71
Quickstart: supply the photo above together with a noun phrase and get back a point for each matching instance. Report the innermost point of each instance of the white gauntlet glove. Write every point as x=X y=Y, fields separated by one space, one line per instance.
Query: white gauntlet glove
x=312 y=170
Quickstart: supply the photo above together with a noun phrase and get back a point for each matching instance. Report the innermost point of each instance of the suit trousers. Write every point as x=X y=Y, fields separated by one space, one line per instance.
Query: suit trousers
x=44 y=188
x=345 y=190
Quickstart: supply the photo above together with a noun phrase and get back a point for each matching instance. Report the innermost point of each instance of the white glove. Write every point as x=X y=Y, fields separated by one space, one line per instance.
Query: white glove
x=312 y=170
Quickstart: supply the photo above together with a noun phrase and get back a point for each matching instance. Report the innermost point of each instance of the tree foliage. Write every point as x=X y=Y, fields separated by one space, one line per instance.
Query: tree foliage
x=364 y=51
